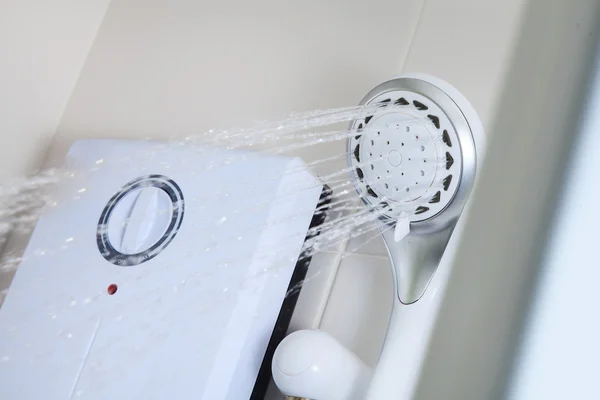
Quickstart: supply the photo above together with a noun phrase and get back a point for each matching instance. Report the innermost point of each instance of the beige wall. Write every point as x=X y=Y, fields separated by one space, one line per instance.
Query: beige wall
x=44 y=45
x=469 y=43
x=169 y=68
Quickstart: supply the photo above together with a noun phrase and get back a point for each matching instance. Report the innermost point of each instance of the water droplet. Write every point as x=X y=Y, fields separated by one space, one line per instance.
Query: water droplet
x=100 y=161
x=222 y=220
x=225 y=289
x=239 y=238
x=82 y=190
x=69 y=335
x=73 y=303
x=68 y=240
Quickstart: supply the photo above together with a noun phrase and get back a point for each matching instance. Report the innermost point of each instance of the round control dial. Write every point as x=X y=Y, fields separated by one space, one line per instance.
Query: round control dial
x=140 y=220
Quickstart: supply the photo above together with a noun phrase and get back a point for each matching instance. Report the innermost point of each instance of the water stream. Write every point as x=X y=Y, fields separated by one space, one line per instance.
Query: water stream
x=319 y=137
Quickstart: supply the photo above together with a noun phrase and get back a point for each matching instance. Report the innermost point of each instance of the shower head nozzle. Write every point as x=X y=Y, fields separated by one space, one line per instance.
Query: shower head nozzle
x=414 y=153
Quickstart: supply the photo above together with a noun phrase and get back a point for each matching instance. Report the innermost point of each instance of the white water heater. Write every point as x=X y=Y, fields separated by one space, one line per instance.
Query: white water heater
x=159 y=273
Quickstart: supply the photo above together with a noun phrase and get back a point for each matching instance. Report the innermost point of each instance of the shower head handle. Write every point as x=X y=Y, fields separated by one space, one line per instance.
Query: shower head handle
x=415 y=260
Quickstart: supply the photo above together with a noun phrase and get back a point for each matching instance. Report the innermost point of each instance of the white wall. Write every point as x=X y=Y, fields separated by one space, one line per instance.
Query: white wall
x=43 y=45
x=560 y=346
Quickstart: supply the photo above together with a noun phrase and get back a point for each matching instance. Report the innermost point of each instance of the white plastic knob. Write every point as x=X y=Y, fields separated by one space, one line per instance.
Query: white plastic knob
x=313 y=365
x=139 y=220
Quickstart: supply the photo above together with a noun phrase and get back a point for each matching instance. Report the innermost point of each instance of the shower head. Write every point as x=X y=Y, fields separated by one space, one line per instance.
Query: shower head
x=413 y=161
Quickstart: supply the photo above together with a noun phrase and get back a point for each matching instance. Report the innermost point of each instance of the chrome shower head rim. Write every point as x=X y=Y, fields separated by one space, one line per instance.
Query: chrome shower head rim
x=458 y=127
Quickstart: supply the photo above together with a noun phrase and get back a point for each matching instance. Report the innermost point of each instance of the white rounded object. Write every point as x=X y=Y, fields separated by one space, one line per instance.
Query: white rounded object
x=313 y=365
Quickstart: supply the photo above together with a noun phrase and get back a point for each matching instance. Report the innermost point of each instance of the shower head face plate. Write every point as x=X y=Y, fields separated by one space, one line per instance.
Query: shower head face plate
x=406 y=157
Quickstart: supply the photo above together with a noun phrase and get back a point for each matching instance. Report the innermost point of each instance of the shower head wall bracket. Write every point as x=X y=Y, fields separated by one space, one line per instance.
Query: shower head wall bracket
x=416 y=153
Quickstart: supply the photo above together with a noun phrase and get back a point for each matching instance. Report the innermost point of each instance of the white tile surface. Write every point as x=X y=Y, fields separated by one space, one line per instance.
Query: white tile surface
x=359 y=306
